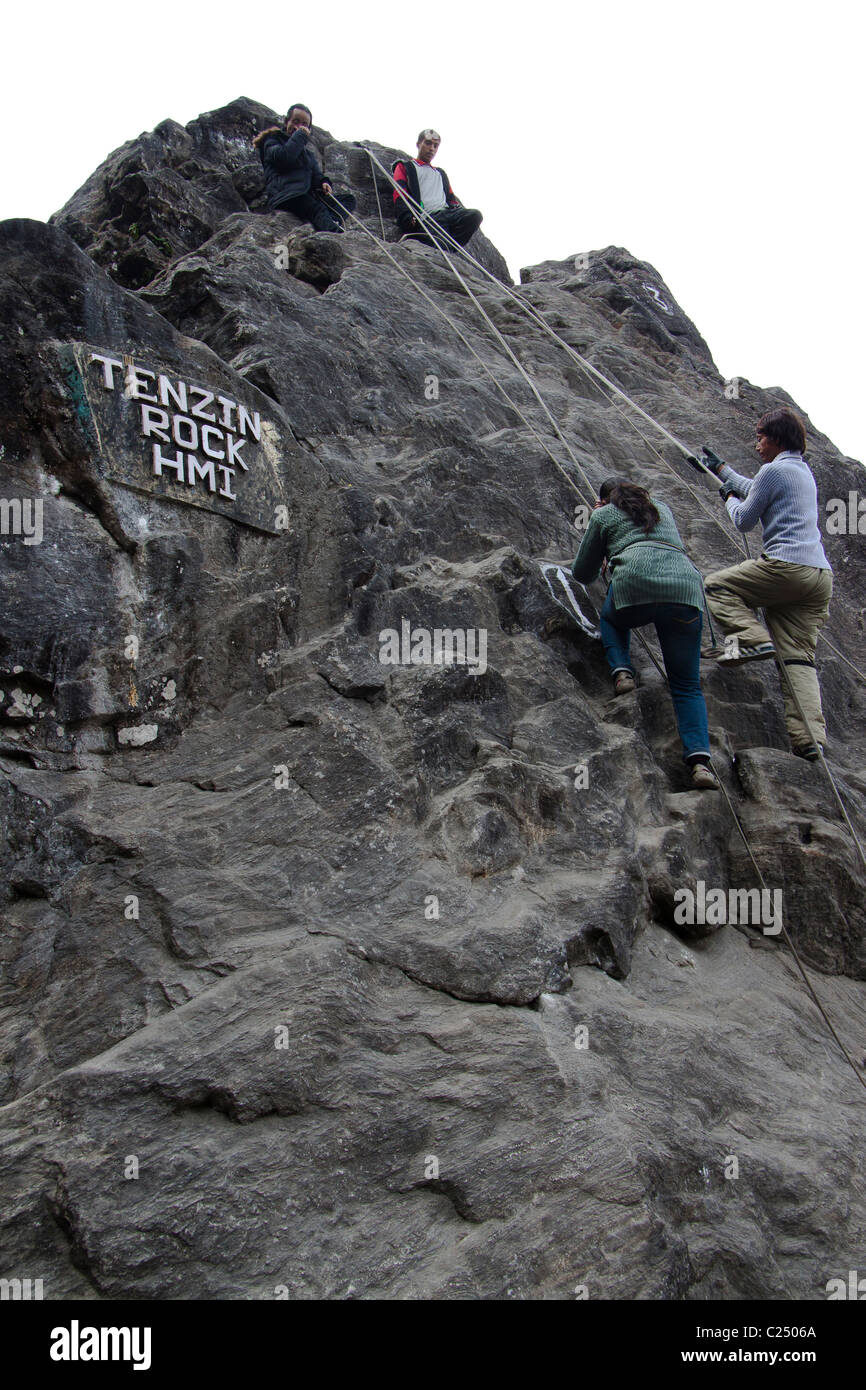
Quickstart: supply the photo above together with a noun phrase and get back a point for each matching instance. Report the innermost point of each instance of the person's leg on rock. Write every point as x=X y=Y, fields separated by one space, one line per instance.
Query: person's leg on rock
x=795 y=629
x=311 y=209
x=460 y=223
x=616 y=640
x=338 y=208
x=733 y=594
x=679 y=631
x=323 y=219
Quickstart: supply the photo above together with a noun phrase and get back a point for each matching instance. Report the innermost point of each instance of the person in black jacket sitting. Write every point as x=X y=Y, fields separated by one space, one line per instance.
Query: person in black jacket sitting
x=293 y=175
x=429 y=189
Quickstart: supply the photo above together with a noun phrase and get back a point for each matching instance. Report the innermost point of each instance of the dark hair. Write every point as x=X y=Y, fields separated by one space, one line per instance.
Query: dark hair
x=633 y=500
x=299 y=106
x=785 y=428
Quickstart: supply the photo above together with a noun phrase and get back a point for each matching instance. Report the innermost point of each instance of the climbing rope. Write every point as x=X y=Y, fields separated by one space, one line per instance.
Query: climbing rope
x=493 y=328
x=585 y=496
x=378 y=204
x=786 y=677
x=438 y=234
x=588 y=498
x=787 y=935
x=594 y=372
x=591 y=371
x=437 y=231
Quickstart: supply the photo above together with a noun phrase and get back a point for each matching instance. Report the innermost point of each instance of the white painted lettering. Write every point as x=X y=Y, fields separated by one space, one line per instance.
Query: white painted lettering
x=226 y=489
x=108 y=366
x=182 y=425
x=198 y=410
x=209 y=449
x=234 y=448
x=160 y=461
x=154 y=423
x=229 y=407
x=136 y=385
x=245 y=419
x=205 y=471
x=177 y=393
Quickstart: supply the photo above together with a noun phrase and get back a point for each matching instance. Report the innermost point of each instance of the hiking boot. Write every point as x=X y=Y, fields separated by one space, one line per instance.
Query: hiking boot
x=623 y=683
x=808 y=751
x=704 y=779
x=763 y=651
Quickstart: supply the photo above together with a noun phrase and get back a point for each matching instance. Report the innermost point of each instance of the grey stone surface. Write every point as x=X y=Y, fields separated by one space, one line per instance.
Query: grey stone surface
x=313 y=937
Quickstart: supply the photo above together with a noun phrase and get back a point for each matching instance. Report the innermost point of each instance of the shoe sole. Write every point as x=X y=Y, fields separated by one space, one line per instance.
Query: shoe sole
x=743 y=660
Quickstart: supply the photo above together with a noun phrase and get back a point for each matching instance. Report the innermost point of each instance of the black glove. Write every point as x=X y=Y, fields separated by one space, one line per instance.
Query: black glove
x=696 y=463
x=713 y=462
x=726 y=492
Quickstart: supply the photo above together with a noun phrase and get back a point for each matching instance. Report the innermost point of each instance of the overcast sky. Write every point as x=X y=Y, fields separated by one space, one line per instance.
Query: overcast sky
x=722 y=142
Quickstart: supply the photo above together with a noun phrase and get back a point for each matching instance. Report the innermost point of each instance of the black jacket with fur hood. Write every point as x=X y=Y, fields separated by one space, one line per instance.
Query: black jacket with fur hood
x=291 y=166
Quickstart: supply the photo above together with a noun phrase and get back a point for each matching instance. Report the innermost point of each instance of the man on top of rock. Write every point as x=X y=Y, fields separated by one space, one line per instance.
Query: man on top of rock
x=294 y=181
x=428 y=187
x=792 y=581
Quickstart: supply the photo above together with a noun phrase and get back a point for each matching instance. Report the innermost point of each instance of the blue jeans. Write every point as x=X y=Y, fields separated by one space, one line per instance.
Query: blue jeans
x=679 y=631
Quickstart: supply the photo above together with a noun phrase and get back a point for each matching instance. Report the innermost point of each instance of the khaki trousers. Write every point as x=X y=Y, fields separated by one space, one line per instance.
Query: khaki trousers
x=796 y=599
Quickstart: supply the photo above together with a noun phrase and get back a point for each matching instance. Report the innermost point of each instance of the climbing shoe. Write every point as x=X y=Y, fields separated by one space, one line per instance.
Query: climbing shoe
x=763 y=651
x=623 y=683
x=704 y=779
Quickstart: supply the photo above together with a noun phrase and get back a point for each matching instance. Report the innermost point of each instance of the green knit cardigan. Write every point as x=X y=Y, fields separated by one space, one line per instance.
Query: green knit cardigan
x=644 y=568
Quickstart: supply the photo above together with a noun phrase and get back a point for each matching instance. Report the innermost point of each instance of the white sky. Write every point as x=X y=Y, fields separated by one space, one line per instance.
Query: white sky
x=723 y=142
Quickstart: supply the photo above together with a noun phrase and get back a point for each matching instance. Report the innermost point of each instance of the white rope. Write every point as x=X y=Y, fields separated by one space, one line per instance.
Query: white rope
x=594 y=371
x=436 y=227
x=378 y=203
x=591 y=370
x=537 y=317
x=438 y=232
x=800 y=966
x=488 y=320
x=433 y=303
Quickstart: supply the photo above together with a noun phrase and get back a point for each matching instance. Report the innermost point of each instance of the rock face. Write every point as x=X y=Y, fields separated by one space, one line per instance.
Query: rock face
x=329 y=977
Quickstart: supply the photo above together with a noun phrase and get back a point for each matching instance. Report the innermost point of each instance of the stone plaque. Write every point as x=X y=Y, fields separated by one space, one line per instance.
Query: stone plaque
x=180 y=435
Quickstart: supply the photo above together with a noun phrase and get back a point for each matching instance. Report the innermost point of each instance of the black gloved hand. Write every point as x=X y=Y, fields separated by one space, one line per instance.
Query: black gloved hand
x=696 y=463
x=726 y=492
x=713 y=462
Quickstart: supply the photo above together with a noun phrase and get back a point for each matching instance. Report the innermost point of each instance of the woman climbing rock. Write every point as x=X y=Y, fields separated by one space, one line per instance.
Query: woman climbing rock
x=653 y=581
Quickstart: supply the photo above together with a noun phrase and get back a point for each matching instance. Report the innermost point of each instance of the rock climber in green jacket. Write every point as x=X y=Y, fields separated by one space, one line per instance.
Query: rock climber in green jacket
x=652 y=580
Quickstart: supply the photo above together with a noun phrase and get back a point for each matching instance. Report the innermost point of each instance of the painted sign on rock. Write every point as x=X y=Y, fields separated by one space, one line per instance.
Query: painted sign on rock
x=175 y=435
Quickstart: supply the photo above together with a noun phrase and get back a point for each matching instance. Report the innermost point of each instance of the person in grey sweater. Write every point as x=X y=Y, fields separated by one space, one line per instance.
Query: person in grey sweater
x=792 y=580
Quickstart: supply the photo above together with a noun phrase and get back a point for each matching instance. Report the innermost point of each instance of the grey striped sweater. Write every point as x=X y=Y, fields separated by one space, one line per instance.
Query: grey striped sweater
x=783 y=497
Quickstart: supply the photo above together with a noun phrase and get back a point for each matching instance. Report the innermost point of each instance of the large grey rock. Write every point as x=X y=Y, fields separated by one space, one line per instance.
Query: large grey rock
x=169 y=190
x=313 y=937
